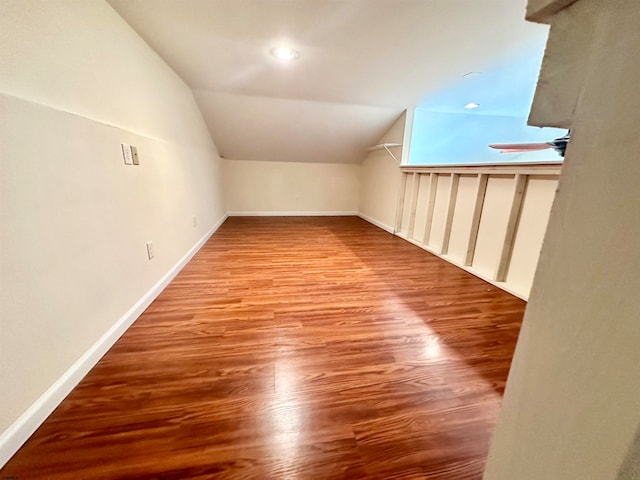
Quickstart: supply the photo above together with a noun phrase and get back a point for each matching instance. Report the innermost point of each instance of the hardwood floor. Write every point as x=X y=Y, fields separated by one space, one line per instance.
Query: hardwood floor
x=293 y=348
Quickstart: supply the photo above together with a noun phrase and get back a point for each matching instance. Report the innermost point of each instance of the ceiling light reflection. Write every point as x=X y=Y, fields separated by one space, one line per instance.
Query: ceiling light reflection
x=432 y=348
x=286 y=419
x=284 y=53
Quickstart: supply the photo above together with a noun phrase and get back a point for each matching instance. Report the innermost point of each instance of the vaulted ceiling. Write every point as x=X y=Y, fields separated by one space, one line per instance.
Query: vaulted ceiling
x=361 y=64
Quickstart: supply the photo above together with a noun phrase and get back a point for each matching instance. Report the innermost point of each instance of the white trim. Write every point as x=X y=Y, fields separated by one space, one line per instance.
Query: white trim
x=20 y=431
x=512 y=168
x=500 y=285
x=378 y=224
x=294 y=214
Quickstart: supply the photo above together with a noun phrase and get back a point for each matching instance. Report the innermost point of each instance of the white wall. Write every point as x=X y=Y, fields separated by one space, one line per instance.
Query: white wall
x=380 y=180
x=76 y=82
x=572 y=403
x=281 y=188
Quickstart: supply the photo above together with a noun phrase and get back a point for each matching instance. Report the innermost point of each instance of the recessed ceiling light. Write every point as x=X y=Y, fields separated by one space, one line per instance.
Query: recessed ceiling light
x=284 y=53
x=471 y=105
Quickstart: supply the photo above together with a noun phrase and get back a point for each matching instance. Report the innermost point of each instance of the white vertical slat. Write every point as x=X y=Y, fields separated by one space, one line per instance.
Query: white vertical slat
x=451 y=206
x=520 y=184
x=433 y=185
x=475 y=221
x=400 y=203
x=415 y=188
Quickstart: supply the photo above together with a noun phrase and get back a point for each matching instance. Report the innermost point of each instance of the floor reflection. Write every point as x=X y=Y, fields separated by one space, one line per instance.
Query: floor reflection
x=286 y=420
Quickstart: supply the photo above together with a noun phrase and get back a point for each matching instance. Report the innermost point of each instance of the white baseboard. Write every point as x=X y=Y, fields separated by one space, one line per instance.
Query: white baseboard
x=468 y=269
x=375 y=222
x=20 y=431
x=293 y=214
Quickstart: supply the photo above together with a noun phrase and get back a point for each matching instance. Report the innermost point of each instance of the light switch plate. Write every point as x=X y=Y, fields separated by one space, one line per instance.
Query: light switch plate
x=134 y=154
x=126 y=154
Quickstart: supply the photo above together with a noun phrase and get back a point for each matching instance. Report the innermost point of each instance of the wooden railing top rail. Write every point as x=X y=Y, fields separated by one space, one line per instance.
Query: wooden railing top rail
x=537 y=168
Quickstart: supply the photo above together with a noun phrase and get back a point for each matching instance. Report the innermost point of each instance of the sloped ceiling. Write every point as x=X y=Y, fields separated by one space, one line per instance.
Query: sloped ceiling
x=361 y=64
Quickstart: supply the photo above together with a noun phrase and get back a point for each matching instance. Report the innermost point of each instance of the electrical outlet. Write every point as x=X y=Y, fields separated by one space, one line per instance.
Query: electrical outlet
x=126 y=154
x=195 y=222
x=150 y=250
x=134 y=155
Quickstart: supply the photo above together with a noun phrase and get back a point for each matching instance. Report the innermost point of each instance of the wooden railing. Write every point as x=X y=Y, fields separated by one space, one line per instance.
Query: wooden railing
x=488 y=219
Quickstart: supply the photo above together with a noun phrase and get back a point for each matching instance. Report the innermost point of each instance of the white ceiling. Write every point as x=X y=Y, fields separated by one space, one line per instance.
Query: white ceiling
x=362 y=62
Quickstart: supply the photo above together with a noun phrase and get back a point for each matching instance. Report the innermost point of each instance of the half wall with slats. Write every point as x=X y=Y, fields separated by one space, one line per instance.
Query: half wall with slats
x=489 y=220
